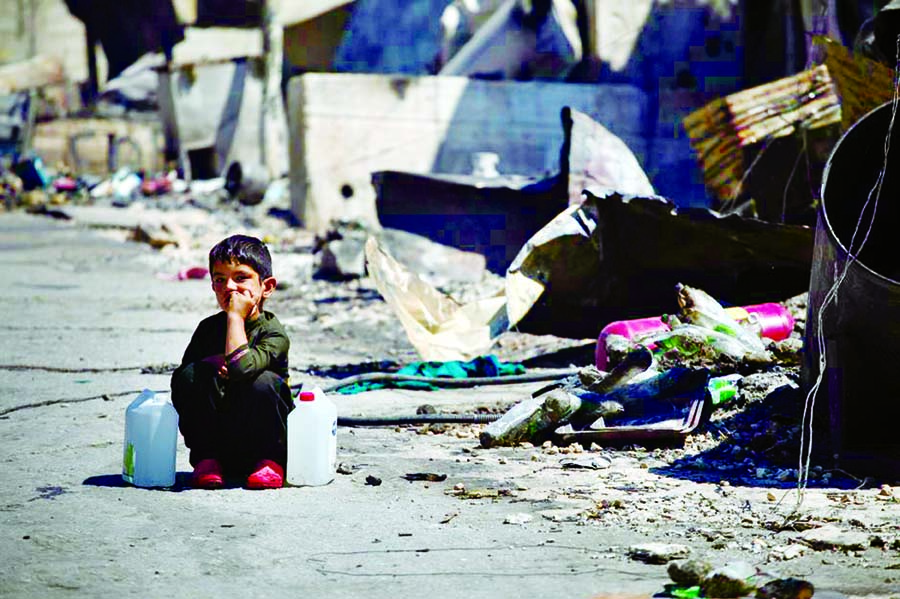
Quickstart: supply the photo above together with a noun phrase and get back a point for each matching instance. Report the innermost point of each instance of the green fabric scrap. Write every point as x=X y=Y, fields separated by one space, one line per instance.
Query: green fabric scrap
x=685 y=592
x=483 y=366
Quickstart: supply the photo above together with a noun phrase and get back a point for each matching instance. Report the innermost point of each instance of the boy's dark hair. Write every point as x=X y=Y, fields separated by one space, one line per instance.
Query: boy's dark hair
x=243 y=249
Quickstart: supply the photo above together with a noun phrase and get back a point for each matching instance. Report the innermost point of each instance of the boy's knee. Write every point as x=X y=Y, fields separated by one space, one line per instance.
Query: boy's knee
x=184 y=381
x=268 y=382
x=268 y=377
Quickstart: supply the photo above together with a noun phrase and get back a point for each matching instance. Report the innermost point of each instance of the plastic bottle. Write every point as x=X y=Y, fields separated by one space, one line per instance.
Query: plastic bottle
x=311 y=440
x=151 y=440
x=770 y=320
x=723 y=389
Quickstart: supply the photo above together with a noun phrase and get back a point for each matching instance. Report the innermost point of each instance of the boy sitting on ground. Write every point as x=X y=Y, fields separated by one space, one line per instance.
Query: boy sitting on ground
x=231 y=390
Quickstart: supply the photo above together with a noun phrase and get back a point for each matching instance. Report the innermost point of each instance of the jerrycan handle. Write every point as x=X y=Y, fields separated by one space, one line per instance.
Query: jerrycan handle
x=147 y=395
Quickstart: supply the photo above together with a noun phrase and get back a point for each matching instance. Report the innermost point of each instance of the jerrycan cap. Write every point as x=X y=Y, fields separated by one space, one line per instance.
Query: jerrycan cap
x=307 y=396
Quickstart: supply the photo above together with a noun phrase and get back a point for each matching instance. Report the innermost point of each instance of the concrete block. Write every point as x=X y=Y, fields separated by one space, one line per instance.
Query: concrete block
x=217 y=110
x=346 y=126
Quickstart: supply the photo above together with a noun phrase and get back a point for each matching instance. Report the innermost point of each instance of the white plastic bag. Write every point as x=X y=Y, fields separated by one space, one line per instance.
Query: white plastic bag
x=438 y=327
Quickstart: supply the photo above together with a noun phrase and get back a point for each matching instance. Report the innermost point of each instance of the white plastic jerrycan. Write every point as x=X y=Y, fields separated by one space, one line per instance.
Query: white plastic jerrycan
x=151 y=438
x=311 y=440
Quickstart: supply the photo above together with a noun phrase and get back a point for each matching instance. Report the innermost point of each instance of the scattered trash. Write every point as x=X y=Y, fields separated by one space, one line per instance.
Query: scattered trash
x=519 y=518
x=193 y=272
x=786 y=588
x=463 y=493
x=32 y=173
x=124 y=186
x=685 y=592
x=535 y=418
x=787 y=552
x=11 y=189
x=705 y=335
x=632 y=404
x=770 y=320
x=594 y=463
x=156 y=186
x=689 y=573
x=65 y=184
x=345 y=468
x=426 y=476
x=531 y=419
x=562 y=515
x=723 y=389
x=735 y=579
x=659 y=553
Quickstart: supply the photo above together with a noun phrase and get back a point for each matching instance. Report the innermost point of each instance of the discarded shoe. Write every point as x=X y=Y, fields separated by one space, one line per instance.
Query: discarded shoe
x=207 y=475
x=266 y=475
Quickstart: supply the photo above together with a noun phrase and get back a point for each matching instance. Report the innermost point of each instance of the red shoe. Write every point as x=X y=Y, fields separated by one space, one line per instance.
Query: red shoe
x=207 y=475
x=266 y=475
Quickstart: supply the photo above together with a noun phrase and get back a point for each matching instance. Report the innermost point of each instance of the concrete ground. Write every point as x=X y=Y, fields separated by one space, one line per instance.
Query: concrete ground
x=88 y=324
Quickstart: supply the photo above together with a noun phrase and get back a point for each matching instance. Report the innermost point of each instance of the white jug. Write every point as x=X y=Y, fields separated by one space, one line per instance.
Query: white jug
x=151 y=439
x=311 y=440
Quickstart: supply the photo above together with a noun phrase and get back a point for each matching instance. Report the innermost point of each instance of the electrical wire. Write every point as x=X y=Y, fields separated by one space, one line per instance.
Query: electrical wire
x=417 y=419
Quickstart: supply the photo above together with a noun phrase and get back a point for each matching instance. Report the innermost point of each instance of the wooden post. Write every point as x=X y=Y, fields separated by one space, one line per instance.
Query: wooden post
x=93 y=82
x=272 y=123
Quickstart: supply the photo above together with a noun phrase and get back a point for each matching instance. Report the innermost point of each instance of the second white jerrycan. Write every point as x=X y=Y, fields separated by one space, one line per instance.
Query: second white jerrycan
x=311 y=440
x=151 y=441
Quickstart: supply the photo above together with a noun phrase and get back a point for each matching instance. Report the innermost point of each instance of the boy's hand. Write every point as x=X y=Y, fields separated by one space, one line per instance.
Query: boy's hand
x=218 y=362
x=241 y=305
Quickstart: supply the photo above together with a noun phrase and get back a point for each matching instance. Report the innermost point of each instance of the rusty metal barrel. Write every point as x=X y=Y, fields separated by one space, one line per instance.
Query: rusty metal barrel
x=857 y=410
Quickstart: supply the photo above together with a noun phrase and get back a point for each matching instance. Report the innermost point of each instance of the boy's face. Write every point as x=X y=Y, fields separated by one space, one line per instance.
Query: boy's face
x=230 y=278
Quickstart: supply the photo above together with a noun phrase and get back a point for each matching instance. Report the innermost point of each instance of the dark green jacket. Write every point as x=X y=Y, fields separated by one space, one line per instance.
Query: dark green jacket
x=267 y=347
